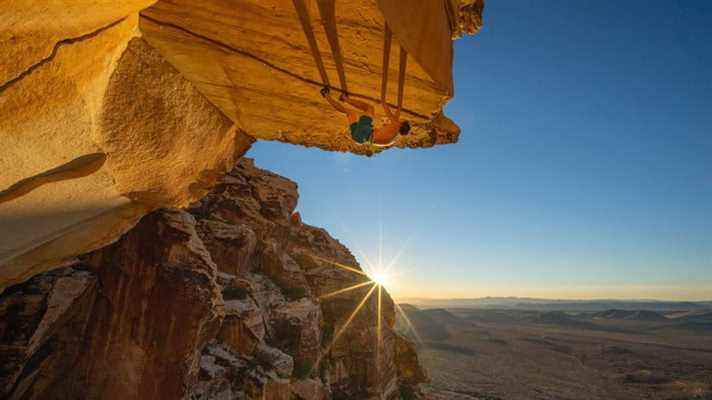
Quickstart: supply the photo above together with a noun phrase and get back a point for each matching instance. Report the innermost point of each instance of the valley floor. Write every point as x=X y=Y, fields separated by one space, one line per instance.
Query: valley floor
x=492 y=355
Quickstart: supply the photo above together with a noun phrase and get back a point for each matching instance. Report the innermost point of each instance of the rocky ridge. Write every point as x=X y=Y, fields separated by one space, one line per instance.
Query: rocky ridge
x=223 y=300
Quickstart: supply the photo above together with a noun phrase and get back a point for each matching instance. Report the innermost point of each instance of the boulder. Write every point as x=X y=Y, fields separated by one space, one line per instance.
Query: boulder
x=231 y=246
x=284 y=271
x=274 y=359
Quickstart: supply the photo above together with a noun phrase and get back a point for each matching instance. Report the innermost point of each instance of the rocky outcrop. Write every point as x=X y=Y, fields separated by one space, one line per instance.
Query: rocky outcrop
x=159 y=304
x=467 y=16
x=97 y=130
x=282 y=280
x=227 y=300
x=127 y=322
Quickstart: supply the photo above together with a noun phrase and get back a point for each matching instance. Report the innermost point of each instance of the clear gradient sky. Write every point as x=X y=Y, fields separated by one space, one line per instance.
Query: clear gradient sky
x=584 y=168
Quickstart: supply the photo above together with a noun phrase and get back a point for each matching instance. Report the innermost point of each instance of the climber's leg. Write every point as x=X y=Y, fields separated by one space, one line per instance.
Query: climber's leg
x=363 y=106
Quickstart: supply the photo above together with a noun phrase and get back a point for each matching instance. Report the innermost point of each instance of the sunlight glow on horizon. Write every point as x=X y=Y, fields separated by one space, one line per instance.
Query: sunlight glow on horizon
x=683 y=291
x=401 y=286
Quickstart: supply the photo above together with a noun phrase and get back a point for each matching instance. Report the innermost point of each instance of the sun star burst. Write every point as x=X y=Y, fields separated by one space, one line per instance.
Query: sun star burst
x=380 y=276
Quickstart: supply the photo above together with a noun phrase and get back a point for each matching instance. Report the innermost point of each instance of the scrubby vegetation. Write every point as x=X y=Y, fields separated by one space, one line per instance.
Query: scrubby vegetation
x=234 y=293
x=295 y=293
x=303 y=370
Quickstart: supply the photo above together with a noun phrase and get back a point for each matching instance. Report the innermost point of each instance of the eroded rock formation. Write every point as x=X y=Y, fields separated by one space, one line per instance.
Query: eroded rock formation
x=222 y=301
x=110 y=111
x=97 y=130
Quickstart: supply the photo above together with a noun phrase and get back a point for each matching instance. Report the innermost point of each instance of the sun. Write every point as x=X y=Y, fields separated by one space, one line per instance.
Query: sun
x=381 y=278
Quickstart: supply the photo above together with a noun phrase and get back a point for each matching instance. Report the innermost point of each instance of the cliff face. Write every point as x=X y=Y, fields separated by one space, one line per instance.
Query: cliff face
x=230 y=299
x=110 y=111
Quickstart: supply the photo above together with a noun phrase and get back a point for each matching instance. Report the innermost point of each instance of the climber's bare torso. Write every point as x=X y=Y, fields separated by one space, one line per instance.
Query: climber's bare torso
x=386 y=134
x=361 y=120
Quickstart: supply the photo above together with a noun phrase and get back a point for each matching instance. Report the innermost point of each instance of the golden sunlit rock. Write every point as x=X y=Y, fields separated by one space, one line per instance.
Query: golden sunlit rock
x=251 y=59
x=94 y=136
x=111 y=110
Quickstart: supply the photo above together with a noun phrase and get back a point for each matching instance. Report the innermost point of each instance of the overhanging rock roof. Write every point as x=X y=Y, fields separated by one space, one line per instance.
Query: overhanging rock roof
x=251 y=59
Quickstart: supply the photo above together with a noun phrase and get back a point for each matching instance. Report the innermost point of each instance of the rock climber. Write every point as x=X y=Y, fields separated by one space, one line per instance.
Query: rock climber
x=361 y=121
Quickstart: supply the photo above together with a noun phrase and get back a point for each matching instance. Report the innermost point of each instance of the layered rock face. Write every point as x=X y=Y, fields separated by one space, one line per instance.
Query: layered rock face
x=97 y=130
x=234 y=298
x=110 y=111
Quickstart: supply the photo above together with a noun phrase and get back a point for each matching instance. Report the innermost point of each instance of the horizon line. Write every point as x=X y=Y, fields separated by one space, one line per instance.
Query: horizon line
x=552 y=299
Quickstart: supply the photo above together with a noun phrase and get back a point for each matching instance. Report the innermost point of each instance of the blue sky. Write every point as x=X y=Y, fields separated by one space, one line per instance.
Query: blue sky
x=584 y=168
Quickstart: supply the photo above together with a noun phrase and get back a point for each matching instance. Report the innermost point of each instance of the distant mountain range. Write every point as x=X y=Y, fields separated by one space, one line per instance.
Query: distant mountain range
x=526 y=303
x=430 y=324
x=438 y=324
x=631 y=315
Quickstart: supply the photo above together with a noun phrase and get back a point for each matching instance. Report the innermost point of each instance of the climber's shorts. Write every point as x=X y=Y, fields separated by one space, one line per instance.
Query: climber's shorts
x=362 y=130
